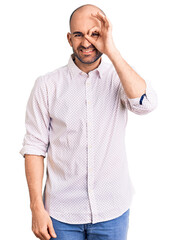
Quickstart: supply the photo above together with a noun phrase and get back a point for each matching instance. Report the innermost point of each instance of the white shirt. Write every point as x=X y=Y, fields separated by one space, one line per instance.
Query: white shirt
x=79 y=121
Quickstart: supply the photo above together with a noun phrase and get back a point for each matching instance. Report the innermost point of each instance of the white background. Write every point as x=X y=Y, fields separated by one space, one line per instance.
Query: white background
x=33 y=42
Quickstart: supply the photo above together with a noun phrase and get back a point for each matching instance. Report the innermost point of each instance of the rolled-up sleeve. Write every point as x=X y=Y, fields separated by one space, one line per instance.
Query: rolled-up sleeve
x=141 y=105
x=37 y=121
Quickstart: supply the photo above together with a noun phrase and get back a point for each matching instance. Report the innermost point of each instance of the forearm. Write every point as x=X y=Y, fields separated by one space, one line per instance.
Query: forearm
x=134 y=86
x=34 y=169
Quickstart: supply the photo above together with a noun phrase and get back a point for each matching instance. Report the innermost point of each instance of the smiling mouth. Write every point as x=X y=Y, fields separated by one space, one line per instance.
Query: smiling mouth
x=88 y=51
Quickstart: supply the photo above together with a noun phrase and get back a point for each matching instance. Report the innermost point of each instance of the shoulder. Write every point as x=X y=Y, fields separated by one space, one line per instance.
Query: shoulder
x=55 y=74
x=52 y=77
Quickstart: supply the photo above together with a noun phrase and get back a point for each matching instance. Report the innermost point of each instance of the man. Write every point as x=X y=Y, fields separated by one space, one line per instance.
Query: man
x=78 y=114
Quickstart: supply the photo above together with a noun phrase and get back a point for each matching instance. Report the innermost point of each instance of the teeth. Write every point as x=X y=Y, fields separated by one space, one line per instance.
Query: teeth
x=87 y=51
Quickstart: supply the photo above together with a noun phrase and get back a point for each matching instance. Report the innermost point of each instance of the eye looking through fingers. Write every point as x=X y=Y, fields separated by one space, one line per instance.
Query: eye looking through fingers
x=95 y=34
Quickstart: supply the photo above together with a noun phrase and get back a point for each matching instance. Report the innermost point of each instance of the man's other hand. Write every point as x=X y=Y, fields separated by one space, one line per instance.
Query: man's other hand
x=42 y=225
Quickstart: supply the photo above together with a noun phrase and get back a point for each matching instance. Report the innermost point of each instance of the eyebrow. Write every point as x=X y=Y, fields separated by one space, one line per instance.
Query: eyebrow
x=77 y=33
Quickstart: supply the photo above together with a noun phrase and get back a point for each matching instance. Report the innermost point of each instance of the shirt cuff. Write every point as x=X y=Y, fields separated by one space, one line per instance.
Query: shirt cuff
x=32 y=150
x=141 y=99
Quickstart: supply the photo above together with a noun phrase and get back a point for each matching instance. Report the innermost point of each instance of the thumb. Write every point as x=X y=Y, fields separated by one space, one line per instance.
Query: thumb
x=51 y=230
x=90 y=39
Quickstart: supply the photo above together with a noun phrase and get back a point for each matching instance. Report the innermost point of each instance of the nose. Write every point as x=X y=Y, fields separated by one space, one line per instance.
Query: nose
x=85 y=43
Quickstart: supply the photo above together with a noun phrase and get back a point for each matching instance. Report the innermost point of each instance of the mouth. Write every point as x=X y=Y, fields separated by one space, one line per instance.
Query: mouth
x=87 y=51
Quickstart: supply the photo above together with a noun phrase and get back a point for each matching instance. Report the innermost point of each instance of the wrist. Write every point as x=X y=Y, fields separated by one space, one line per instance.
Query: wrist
x=114 y=54
x=36 y=205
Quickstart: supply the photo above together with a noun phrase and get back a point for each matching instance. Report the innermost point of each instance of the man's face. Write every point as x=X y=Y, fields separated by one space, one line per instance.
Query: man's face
x=81 y=23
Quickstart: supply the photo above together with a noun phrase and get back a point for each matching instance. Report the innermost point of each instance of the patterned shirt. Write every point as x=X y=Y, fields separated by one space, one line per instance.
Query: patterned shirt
x=78 y=120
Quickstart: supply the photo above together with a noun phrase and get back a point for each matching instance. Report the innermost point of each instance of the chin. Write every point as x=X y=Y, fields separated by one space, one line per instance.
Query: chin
x=92 y=60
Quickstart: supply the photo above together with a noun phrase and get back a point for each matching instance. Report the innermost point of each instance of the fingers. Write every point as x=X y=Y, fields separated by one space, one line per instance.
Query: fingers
x=90 y=39
x=95 y=30
x=51 y=229
x=99 y=16
x=45 y=232
x=93 y=34
x=42 y=234
x=102 y=18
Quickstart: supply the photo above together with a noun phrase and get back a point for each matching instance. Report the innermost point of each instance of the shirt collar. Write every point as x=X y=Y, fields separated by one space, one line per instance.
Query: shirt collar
x=74 y=70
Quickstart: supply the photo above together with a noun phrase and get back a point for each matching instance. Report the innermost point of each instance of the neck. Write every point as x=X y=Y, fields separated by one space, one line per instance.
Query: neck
x=87 y=67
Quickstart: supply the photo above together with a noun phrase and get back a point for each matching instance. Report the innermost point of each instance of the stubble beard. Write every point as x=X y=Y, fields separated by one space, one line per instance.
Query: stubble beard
x=94 y=59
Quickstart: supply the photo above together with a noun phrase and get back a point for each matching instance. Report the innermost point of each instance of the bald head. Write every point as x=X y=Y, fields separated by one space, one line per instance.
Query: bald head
x=87 y=8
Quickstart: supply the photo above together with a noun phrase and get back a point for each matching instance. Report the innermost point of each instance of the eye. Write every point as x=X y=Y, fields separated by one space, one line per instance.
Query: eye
x=95 y=34
x=78 y=35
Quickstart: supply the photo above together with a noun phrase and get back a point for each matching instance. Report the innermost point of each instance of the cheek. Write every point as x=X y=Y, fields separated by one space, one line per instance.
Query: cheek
x=75 y=45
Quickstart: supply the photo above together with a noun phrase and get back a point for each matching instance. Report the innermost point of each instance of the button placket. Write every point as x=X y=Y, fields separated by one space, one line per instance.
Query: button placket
x=89 y=102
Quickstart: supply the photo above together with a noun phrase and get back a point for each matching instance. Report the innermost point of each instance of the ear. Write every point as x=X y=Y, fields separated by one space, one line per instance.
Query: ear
x=69 y=39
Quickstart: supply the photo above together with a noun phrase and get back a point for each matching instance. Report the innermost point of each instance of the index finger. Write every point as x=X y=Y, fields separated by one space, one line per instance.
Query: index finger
x=102 y=18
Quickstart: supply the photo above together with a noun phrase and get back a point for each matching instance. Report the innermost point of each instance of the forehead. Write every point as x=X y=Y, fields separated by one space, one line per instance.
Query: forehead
x=82 y=20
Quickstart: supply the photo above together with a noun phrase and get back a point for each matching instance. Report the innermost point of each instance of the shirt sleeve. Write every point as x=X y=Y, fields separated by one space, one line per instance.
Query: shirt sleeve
x=141 y=105
x=37 y=121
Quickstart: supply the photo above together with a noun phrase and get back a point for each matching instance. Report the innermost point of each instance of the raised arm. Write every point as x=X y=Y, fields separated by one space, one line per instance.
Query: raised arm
x=136 y=94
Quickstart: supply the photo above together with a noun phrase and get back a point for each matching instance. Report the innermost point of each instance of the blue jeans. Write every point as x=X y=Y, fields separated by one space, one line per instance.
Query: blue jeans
x=114 y=229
